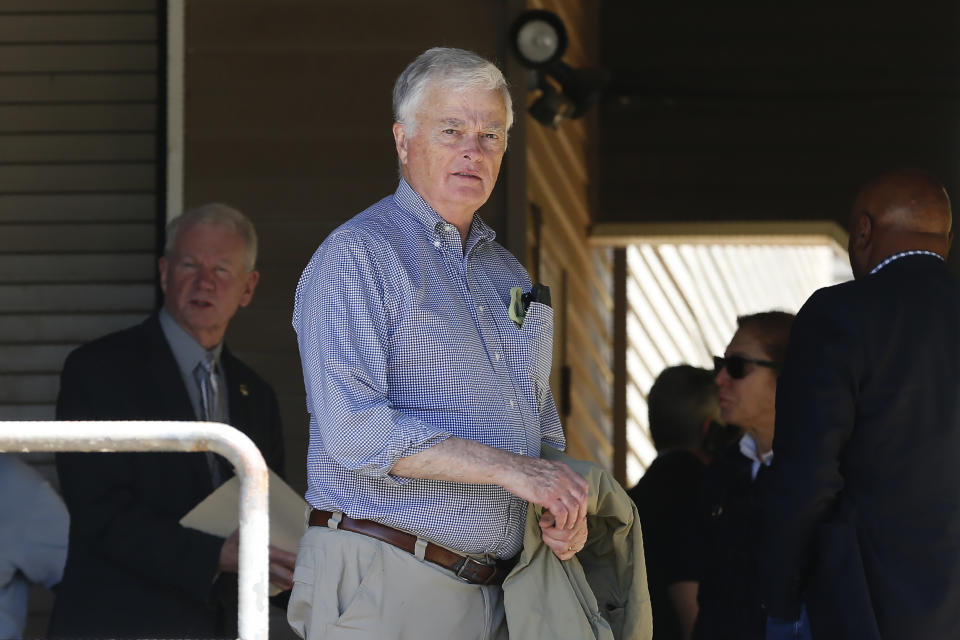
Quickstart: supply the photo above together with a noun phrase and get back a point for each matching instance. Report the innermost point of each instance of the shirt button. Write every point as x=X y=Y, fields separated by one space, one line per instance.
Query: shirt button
x=496 y=358
x=436 y=243
x=513 y=403
x=480 y=308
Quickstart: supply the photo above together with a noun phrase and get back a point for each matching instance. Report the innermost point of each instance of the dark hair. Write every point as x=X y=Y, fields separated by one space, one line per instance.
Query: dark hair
x=772 y=330
x=681 y=399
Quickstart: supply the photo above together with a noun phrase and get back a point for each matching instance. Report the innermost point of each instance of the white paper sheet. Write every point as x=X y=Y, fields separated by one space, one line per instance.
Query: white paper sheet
x=219 y=514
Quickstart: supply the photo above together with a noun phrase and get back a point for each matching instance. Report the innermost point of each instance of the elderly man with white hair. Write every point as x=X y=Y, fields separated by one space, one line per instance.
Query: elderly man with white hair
x=427 y=380
x=133 y=571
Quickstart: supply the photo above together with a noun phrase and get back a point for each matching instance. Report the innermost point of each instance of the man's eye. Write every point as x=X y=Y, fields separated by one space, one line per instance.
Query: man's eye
x=450 y=131
x=491 y=136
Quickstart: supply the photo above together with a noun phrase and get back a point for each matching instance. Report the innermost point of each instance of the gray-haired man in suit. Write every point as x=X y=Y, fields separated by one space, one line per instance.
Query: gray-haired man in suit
x=132 y=569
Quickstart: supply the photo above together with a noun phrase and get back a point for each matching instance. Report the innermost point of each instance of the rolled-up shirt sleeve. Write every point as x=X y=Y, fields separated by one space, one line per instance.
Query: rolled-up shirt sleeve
x=342 y=316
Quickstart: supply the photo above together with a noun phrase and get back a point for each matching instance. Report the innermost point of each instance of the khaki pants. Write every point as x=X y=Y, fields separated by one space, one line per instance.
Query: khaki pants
x=347 y=585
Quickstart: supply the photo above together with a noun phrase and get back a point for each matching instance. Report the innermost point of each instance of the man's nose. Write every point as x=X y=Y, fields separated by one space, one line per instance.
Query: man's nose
x=470 y=146
x=205 y=277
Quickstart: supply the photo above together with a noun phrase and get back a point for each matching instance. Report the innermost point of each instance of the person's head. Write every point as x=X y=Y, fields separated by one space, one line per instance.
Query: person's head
x=746 y=376
x=452 y=113
x=899 y=211
x=207 y=270
x=680 y=406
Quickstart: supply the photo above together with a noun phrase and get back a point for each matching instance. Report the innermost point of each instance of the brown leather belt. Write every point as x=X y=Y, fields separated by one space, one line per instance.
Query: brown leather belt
x=467 y=569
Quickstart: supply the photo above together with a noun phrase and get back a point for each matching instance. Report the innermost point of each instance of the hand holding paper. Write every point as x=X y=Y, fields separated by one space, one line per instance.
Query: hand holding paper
x=219 y=514
x=282 y=563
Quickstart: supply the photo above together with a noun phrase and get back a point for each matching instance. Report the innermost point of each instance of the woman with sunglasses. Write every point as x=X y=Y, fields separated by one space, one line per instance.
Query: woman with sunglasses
x=746 y=379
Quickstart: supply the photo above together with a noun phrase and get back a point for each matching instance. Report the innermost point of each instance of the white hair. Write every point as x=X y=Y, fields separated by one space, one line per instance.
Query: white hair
x=219 y=215
x=453 y=69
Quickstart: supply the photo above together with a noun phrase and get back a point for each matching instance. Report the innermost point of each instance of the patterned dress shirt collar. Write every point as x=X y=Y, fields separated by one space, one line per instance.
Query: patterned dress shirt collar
x=903 y=254
x=189 y=353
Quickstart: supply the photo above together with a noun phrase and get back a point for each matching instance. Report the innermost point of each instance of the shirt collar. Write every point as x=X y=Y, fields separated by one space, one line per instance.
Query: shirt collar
x=410 y=202
x=748 y=447
x=186 y=351
x=897 y=256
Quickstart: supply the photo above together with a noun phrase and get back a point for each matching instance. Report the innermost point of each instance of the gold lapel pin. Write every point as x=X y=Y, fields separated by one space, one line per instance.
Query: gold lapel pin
x=243 y=390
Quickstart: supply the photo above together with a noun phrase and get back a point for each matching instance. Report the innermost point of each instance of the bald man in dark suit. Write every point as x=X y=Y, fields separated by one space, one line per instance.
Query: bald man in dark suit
x=863 y=522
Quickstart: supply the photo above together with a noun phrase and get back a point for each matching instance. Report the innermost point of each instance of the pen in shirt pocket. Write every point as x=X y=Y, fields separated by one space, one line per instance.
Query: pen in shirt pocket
x=520 y=301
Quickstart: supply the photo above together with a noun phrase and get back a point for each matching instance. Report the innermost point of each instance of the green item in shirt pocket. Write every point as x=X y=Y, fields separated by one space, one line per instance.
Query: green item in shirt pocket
x=517 y=312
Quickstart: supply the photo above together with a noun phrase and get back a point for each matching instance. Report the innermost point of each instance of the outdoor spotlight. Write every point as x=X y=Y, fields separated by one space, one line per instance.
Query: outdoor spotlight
x=539 y=40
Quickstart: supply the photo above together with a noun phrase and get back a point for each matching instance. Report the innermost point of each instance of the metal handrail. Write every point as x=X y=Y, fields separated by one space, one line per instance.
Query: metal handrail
x=133 y=435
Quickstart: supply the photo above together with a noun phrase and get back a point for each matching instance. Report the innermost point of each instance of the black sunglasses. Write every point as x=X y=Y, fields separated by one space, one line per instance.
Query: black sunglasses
x=736 y=366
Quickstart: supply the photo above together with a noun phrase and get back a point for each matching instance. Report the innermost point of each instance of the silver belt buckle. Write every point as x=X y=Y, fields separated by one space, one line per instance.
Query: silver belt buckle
x=466 y=561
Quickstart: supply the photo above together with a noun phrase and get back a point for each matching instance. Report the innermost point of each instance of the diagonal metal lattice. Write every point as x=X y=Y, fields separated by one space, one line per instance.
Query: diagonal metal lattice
x=683 y=301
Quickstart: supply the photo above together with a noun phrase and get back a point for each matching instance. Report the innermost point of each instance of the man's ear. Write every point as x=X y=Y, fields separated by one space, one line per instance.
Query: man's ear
x=253 y=277
x=862 y=230
x=162 y=266
x=400 y=138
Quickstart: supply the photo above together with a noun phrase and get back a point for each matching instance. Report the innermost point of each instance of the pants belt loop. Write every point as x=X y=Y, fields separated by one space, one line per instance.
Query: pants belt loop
x=420 y=549
x=334 y=521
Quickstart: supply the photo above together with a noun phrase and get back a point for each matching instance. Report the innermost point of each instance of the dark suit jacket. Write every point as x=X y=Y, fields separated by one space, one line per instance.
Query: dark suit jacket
x=667 y=498
x=864 y=505
x=131 y=569
x=729 y=531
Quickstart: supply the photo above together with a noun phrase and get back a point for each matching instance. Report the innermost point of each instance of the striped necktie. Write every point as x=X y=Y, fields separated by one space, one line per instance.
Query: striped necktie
x=212 y=406
x=210 y=396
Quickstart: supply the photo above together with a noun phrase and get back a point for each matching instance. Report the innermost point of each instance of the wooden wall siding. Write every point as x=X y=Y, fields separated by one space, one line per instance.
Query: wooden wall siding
x=78 y=85
x=288 y=117
x=561 y=179
x=748 y=112
x=78 y=113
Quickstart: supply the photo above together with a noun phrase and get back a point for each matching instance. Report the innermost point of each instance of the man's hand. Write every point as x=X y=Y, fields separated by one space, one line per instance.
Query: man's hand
x=282 y=563
x=555 y=487
x=549 y=484
x=565 y=543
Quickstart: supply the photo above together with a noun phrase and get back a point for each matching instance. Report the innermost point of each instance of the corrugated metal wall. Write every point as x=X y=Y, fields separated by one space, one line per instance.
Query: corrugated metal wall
x=78 y=119
x=561 y=183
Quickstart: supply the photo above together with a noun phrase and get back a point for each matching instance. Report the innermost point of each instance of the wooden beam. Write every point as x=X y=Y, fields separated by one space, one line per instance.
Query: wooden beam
x=620 y=365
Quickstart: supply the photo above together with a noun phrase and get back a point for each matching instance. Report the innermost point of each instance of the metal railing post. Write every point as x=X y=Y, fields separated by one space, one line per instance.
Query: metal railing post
x=131 y=435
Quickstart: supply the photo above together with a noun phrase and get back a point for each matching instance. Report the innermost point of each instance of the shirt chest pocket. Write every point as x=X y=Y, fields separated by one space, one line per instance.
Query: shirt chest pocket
x=535 y=345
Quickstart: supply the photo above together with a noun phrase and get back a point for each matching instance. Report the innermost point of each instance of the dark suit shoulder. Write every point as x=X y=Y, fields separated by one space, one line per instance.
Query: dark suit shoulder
x=126 y=375
x=913 y=275
x=112 y=361
x=124 y=345
x=914 y=297
x=832 y=297
x=672 y=475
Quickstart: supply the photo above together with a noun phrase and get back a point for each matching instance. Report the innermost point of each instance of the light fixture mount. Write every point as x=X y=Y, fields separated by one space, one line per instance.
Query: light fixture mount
x=539 y=38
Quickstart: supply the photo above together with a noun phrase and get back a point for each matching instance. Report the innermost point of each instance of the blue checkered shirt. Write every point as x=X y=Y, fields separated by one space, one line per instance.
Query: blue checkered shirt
x=405 y=340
